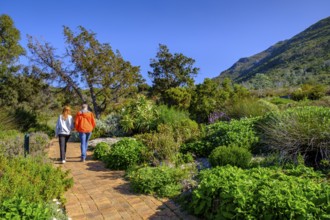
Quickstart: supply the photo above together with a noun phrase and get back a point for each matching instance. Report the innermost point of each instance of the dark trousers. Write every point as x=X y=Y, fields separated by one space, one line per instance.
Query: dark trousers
x=63 y=139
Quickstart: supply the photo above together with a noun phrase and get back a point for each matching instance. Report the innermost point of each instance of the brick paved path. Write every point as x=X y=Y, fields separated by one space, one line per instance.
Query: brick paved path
x=99 y=193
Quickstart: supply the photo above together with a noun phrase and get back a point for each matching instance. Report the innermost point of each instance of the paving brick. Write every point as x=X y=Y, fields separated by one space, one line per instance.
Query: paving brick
x=100 y=193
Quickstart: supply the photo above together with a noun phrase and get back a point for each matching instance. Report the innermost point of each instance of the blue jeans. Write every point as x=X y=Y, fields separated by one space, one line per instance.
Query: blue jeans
x=84 y=137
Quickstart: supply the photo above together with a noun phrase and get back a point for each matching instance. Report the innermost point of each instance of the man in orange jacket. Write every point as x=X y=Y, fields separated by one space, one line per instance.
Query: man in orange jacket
x=84 y=124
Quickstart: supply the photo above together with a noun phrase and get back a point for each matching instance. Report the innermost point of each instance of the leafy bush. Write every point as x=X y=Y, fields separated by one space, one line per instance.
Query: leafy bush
x=281 y=101
x=19 y=208
x=39 y=141
x=139 y=116
x=25 y=119
x=200 y=148
x=298 y=131
x=31 y=179
x=312 y=92
x=125 y=153
x=7 y=121
x=239 y=133
x=260 y=193
x=101 y=150
x=249 y=108
x=183 y=127
x=162 y=181
x=43 y=128
x=232 y=155
x=109 y=126
x=12 y=141
x=178 y=97
x=161 y=145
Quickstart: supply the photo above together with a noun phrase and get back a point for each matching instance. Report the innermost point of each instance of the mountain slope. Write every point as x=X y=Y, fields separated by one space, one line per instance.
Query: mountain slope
x=305 y=57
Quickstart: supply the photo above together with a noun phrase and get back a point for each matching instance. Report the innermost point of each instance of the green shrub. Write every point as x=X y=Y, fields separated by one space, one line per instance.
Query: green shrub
x=139 y=116
x=12 y=141
x=162 y=181
x=109 y=126
x=232 y=155
x=281 y=101
x=180 y=158
x=19 y=208
x=239 y=133
x=249 y=108
x=200 y=148
x=7 y=121
x=312 y=92
x=161 y=146
x=44 y=128
x=178 y=97
x=260 y=193
x=298 y=131
x=25 y=119
x=101 y=150
x=125 y=153
x=183 y=127
x=39 y=141
x=32 y=179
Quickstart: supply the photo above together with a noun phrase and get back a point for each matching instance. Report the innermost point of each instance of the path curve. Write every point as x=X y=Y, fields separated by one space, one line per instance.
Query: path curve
x=99 y=193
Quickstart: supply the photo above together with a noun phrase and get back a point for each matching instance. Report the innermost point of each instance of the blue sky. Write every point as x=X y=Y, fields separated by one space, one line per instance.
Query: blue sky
x=216 y=33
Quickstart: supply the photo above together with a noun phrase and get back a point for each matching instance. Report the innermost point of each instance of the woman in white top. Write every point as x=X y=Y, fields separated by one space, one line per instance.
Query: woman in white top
x=64 y=126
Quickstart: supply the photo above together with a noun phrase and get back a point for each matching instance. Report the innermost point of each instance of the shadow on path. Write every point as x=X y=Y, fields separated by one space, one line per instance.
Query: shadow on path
x=100 y=193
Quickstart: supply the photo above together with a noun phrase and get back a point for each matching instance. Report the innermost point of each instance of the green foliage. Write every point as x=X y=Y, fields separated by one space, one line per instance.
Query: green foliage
x=239 y=133
x=32 y=179
x=307 y=91
x=139 y=116
x=260 y=193
x=12 y=141
x=182 y=126
x=101 y=150
x=19 y=208
x=249 y=108
x=161 y=145
x=125 y=153
x=10 y=49
x=25 y=119
x=298 y=131
x=109 y=126
x=232 y=155
x=171 y=70
x=200 y=148
x=162 y=181
x=43 y=128
x=302 y=59
x=107 y=75
x=7 y=121
x=38 y=142
x=281 y=101
x=180 y=158
x=178 y=97
x=206 y=99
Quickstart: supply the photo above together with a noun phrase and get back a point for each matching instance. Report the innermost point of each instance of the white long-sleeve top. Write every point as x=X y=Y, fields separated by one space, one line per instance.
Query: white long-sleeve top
x=64 y=126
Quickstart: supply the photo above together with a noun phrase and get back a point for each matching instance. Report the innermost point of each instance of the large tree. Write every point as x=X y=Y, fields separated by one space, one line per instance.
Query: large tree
x=90 y=64
x=10 y=51
x=171 y=70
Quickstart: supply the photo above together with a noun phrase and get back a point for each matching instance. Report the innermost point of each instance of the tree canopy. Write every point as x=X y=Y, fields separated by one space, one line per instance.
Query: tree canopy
x=89 y=64
x=171 y=70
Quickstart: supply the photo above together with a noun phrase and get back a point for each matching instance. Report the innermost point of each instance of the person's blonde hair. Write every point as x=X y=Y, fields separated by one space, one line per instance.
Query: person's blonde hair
x=66 y=112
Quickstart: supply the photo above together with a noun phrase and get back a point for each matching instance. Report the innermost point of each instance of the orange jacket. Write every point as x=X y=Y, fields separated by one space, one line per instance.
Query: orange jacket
x=84 y=122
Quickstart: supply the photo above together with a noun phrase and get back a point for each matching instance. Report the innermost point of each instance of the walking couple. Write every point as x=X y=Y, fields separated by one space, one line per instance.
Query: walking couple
x=84 y=123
